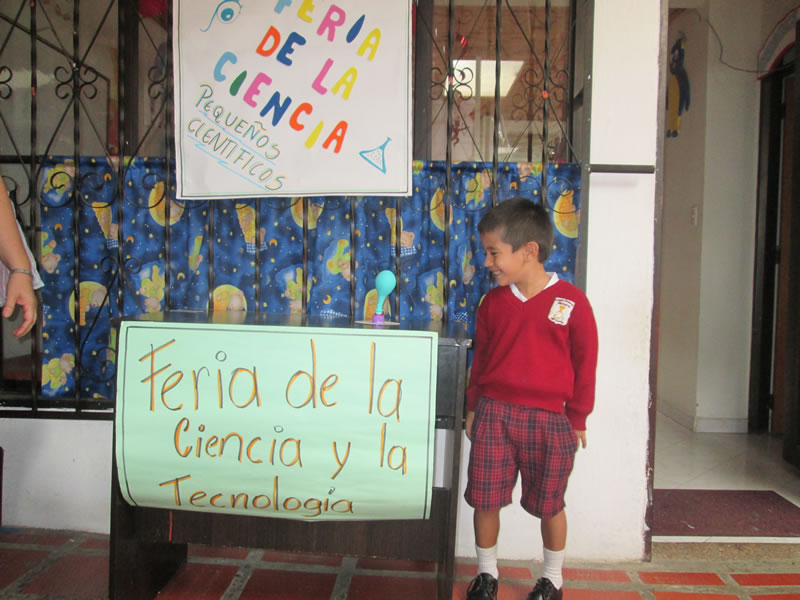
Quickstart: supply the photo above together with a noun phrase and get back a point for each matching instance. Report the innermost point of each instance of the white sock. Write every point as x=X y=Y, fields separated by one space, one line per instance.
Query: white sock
x=551 y=567
x=487 y=560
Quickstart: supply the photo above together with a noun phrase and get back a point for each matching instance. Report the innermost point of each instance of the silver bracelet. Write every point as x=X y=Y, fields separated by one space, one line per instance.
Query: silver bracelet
x=23 y=271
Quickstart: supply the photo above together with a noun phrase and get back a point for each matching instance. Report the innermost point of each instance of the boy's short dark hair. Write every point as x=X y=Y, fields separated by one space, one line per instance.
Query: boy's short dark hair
x=519 y=221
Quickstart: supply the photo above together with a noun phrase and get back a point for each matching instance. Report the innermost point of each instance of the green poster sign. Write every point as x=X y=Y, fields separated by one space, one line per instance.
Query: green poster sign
x=291 y=422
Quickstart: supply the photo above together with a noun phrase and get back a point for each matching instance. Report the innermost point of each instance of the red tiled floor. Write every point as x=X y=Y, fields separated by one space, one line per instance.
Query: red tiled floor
x=692 y=596
x=73 y=576
x=81 y=573
x=515 y=573
x=596 y=575
x=199 y=582
x=669 y=578
x=753 y=579
x=465 y=569
x=385 y=564
x=214 y=552
x=95 y=544
x=266 y=584
x=15 y=563
x=572 y=594
x=36 y=540
x=369 y=587
x=300 y=558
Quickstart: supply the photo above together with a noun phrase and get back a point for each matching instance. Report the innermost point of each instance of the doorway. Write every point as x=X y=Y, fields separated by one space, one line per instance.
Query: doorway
x=694 y=374
x=773 y=379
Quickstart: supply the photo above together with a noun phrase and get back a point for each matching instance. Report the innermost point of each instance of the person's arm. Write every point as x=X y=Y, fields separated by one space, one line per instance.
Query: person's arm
x=583 y=354
x=19 y=291
x=468 y=423
x=473 y=393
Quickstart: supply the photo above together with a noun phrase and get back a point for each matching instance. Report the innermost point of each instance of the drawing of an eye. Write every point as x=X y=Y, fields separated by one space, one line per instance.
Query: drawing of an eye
x=226 y=11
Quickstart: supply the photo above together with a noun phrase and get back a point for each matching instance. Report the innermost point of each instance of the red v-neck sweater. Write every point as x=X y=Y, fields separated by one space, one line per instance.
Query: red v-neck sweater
x=540 y=353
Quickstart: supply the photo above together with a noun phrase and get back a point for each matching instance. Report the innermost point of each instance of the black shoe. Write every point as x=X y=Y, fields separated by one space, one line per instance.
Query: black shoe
x=544 y=590
x=483 y=587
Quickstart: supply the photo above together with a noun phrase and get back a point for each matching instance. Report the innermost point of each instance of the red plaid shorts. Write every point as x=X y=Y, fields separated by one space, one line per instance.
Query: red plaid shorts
x=508 y=439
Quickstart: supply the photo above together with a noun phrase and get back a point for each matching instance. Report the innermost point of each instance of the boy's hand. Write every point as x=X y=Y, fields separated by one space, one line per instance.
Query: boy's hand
x=468 y=423
x=581 y=435
x=20 y=292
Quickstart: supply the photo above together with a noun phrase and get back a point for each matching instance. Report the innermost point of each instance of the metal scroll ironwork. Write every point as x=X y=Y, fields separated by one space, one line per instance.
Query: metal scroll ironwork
x=84 y=80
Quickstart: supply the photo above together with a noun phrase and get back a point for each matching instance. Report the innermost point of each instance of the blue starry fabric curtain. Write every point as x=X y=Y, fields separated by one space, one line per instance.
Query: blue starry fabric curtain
x=234 y=255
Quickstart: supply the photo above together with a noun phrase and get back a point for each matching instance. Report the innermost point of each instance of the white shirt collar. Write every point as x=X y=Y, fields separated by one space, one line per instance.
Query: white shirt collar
x=518 y=294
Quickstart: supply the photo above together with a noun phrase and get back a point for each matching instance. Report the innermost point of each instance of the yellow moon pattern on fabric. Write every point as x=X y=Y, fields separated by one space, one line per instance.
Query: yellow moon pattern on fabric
x=158 y=203
x=103 y=214
x=91 y=294
x=229 y=297
x=247 y=222
x=314 y=211
x=565 y=217
x=437 y=209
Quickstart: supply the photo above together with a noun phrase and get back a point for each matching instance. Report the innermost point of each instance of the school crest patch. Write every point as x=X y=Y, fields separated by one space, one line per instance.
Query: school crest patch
x=560 y=311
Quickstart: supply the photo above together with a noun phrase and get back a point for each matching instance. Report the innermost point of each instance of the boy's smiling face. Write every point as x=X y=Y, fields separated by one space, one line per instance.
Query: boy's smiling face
x=506 y=264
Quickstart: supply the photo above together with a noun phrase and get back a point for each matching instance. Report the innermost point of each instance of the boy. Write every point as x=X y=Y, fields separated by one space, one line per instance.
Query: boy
x=531 y=388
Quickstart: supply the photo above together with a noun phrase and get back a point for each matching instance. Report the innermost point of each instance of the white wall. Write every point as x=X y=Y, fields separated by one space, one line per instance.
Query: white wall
x=57 y=472
x=681 y=242
x=729 y=209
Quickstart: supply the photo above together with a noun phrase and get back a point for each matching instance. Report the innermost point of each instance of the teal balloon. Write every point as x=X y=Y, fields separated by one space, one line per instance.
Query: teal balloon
x=384 y=285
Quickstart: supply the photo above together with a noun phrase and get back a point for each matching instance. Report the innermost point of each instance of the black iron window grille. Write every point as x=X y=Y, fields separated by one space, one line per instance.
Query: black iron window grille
x=86 y=107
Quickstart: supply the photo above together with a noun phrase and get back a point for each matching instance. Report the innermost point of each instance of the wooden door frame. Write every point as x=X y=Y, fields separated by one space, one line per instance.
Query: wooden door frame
x=765 y=268
x=791 y=438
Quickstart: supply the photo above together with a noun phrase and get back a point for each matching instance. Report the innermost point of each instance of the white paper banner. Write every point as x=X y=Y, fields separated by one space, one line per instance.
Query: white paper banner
x=292 y=98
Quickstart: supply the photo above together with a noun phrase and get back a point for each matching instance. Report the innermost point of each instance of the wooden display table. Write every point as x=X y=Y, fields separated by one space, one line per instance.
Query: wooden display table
x=148 y=545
